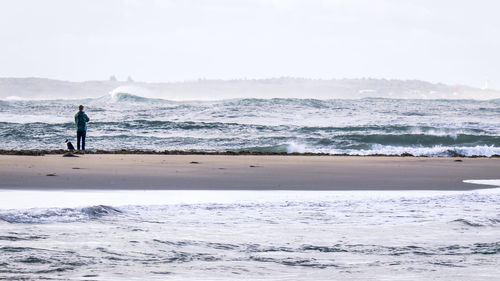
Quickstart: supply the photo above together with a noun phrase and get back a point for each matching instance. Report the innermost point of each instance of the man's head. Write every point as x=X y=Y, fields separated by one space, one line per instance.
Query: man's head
x=80 y=108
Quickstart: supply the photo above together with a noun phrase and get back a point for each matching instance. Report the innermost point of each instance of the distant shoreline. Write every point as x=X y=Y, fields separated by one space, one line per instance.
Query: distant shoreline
x=281 y=87
x=243 y=152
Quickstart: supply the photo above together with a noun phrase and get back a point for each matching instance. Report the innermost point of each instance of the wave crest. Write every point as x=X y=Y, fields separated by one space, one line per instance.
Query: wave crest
x=53 y=215
x=378 y=149
x=125 y=97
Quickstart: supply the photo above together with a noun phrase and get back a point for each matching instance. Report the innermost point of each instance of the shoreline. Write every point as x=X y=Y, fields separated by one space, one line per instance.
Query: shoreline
x=28 y=152
x=243 y=172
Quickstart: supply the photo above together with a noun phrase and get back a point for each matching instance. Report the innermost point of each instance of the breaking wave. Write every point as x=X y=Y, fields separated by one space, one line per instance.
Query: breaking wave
x=53 y=215
x=122 y=120
x=377 y=149
x=125 y=97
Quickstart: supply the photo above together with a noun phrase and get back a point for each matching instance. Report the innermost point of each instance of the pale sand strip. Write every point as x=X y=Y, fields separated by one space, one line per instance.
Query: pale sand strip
x=243 y=172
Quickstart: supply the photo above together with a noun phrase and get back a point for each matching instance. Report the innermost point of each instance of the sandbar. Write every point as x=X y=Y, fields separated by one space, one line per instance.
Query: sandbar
x=249 y=172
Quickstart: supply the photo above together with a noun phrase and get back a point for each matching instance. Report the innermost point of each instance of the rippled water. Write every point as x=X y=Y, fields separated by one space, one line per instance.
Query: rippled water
x=365 y=126
x=279 y=235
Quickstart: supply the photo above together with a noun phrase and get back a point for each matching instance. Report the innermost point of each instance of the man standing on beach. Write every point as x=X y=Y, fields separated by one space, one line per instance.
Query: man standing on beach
x=81 y=120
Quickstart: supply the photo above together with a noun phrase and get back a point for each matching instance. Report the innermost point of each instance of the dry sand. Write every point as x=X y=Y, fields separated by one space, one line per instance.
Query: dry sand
x=243 y=172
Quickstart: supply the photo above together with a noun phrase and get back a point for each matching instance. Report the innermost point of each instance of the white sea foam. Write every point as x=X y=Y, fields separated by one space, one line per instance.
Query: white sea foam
x=14 y=98
x=370 y=126
x=34 y=118
x=494 y=182
x=436 y=150
x=132 y=93
x=271 y=235
x=26 y=199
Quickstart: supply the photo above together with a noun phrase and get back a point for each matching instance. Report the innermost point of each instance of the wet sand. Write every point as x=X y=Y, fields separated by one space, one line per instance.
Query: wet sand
x=226 y=172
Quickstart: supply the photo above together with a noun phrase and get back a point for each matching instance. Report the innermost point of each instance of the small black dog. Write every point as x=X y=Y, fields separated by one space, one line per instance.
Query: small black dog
x=70 y=146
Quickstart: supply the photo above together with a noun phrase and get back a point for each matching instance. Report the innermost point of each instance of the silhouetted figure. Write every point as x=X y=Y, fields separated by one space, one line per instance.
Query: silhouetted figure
x=81 y=120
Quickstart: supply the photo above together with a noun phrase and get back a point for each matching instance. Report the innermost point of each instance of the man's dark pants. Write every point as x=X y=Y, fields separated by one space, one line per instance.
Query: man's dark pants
x=80 y=135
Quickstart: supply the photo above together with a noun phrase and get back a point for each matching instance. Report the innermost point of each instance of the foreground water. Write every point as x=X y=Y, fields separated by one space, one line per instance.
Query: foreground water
x=264 y=235
x=366 y=126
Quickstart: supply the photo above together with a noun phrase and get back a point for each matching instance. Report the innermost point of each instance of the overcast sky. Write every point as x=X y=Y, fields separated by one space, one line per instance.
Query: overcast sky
x=450 y=41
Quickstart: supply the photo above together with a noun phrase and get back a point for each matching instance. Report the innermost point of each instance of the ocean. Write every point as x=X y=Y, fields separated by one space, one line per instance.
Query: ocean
x=337 y=126
x=254 y=235
x=251 y=235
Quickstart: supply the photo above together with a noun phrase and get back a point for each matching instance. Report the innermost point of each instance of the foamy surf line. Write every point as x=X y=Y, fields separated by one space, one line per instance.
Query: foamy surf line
x=493 y=182
x=28 y=199
x=127 y=121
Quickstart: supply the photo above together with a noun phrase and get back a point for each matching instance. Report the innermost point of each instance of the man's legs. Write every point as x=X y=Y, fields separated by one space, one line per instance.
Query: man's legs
x=78 y=137
x=84 y=134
